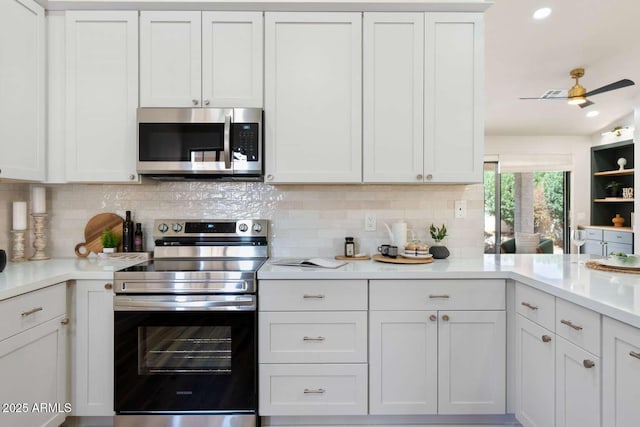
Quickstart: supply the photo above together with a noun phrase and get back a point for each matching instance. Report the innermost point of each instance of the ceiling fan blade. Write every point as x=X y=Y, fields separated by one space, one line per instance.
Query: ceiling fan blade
x=551 y=97
x=586 y=104
x=611 y=86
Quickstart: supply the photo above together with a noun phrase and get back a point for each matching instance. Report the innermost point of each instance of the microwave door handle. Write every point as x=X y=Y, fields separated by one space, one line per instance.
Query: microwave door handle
x=227 y=142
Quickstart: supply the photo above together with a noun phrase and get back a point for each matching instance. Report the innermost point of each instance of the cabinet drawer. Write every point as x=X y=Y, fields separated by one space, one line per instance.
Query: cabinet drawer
x=313 y=389
x=26 y=311
x=312 y=295
x=611 y=236
x=536 y=305
x=594 y=234
x=315 y=337
x=437 y=294
x=579 y=325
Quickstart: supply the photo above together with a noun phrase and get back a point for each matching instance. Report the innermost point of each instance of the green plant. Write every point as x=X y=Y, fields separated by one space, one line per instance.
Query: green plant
x=109 y=238
x=613 y=187
x=438 y=233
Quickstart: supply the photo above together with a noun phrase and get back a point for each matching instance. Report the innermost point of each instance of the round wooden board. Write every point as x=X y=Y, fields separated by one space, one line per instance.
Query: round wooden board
x=402 y=260
x=353 y=258
x=93 y=230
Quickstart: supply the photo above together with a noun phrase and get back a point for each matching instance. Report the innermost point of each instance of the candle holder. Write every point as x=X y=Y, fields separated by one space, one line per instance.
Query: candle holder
x=17 y=249
x=40 y=242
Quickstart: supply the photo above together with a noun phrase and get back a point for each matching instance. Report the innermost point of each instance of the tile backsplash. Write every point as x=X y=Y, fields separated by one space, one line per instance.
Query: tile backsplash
x=306 y=220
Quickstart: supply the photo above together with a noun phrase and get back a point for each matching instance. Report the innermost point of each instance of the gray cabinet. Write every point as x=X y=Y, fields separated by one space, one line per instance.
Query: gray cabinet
x=602 y=242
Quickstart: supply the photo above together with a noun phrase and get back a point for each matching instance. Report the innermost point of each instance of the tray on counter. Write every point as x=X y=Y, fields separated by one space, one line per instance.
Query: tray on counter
x=402 y=260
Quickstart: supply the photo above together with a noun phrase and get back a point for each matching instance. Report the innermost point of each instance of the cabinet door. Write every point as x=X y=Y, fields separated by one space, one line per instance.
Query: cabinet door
x=232 y=59
x=170 y=55
x=313 y=97
x=620 y=374
x=577 y=386
x=453 y=121
x=33 y=371
x=102 y=95
x=535 y=374
x=471 y=362
x=614 y=248
x=393 y=97
x=92 y=350
x=593 y=247
x=22 y=103
x=403 y=372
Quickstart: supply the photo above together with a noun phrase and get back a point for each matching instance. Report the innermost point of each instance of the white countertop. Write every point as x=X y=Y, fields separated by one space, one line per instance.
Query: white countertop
x=22 y=277
x=616 y=295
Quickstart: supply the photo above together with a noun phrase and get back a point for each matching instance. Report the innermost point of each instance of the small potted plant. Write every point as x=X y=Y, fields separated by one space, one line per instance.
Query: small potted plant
x=438 y=234
x=613 y=189
x=110 y=240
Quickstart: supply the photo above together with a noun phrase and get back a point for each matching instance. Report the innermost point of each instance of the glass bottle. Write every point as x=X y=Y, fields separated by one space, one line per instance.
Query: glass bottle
x=127 y=233
x=137 y=238
x=349 y=247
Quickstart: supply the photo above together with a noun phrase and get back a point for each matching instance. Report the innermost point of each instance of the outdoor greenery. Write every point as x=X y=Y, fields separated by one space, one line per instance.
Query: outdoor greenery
x=548 y=202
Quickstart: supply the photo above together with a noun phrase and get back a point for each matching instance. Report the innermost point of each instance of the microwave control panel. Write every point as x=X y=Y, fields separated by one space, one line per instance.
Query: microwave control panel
x=245 y=137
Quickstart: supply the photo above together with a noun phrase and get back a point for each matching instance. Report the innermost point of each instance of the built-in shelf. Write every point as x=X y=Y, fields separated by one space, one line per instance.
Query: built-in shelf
x=612 y=200
x=615 y=172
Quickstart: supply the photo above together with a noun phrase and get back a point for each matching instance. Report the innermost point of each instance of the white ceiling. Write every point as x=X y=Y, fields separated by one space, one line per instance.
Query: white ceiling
x=524 y=58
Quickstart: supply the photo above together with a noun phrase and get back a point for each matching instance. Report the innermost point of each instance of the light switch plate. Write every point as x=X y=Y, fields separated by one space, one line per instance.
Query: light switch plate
x=370 y=222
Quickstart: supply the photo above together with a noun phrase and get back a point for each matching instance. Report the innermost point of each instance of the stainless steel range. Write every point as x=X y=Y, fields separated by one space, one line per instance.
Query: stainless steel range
x=186 y=327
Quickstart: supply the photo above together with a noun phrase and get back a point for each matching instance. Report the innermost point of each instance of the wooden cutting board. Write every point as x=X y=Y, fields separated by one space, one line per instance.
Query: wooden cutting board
x=93 y=230
x=402 y=260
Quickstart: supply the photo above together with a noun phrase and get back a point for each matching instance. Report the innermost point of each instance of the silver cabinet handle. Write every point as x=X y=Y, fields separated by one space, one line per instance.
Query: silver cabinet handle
x=227 y=142
x=314 y=391
x=531 y=306
x=429 y=177
x=419 y=177
x=588 y=363
x=313 y=339
x=571 y=325
x=443 y=296
x=65 y=321
x=30 y=312
x=308 y=296
x=634 y=354
x=206 y=102
x=269 y=177
x=433 y=318
x=546 y=338
x=194 y=101
x=132 y=177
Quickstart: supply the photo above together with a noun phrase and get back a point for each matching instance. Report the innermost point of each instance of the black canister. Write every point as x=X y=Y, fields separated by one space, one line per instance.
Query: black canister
x=3 y=260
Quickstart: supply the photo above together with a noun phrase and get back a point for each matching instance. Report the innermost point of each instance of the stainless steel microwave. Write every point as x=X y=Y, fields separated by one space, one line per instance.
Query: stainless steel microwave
x=200 y=143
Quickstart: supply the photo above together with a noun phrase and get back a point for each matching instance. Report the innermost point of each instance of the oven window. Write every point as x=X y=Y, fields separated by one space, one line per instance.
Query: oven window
x=173 y=142
x=167 y=350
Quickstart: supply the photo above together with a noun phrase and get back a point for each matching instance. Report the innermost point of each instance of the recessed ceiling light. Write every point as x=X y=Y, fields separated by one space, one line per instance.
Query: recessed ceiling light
x=542 y=13
x=593 y=113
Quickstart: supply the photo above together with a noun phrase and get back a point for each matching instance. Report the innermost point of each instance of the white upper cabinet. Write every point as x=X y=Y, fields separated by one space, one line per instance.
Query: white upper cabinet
x=22 y=103
x=393 y=81
x=200 y=59
x=454 y=103
x=423 y=97
x=101 y=95
x=313 y=97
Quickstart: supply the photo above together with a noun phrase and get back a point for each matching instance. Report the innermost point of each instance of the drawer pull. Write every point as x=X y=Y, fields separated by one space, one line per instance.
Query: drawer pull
x=588 y=363
x=445 y=318
x=439 y=296
x=307 y=296
x=571 y=325
x=30 y=312
x=546 y=338
x=433 y=318
x=313 y=338
x=65 y=321
x=313 y=391
x=108 y=286
x=531 y=306
x=634 y=354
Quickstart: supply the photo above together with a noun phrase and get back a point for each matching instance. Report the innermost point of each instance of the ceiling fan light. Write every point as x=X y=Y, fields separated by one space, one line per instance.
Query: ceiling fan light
x=576 y=95
x=577 y=100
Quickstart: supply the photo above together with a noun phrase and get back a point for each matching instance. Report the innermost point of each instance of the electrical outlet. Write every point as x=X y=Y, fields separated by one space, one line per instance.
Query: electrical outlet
x=370 y=222
x=460 y=208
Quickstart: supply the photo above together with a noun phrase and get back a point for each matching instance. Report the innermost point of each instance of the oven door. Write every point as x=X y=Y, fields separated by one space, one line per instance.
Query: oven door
x=185 y=354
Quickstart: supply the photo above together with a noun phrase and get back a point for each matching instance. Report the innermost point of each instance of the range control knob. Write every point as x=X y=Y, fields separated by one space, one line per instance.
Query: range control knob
x=257 y=228
x=177 y=227
x=243 y=227
x=163 y=228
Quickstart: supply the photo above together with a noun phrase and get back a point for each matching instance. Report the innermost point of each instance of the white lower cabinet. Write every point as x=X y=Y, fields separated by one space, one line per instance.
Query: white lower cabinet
x=33 y=359
x=437 y=361
x=620 y=374
x=92 y=348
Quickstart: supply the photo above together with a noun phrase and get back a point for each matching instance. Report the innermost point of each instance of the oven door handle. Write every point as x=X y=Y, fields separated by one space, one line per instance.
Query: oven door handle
x=184 y=303
x=227 y=142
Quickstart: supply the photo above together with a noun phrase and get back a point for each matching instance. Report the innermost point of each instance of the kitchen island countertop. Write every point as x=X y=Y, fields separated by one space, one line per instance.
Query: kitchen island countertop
x=616 y=295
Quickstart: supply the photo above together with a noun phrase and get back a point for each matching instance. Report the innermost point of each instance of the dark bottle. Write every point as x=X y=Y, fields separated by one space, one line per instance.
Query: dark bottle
x=127 y=233
x=137 y=238
x=349 y=247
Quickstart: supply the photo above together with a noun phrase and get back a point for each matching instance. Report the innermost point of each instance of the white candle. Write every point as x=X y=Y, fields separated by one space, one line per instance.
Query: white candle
x=38 y=200
x=19 y=215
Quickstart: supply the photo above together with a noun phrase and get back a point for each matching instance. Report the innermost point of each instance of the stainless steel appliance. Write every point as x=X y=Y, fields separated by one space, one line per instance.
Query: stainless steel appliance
x=198 y=143
x=185 y=328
